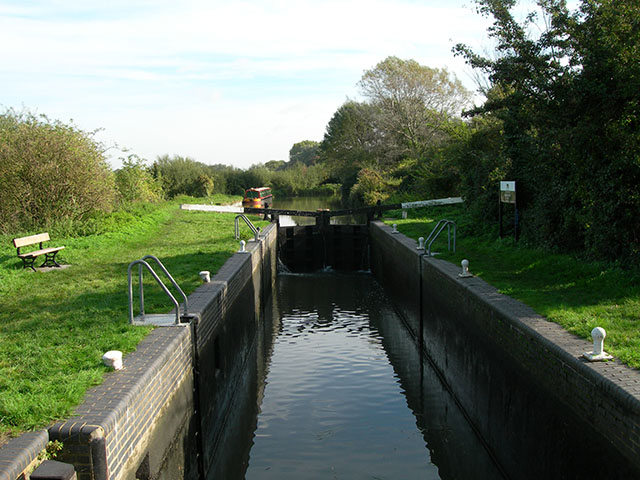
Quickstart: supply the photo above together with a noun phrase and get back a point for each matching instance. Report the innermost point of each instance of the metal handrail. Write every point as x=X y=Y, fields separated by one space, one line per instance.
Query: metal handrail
x=141 y=264
x=171 y=279
x=256 y=231
x=437 y=230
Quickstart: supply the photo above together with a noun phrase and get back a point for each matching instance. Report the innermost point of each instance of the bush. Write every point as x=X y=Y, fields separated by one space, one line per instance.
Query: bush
x=135 y=182
x=182 y=176
x=49 y=172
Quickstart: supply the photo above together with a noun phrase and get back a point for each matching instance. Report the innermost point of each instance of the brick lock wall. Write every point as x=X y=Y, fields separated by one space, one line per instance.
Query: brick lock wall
x=519 y=377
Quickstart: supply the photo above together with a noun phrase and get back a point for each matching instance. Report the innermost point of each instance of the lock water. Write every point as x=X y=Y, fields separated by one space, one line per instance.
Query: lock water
x=346 y=394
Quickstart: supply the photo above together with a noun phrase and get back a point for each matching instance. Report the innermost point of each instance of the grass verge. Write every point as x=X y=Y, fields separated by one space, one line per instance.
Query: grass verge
x=576 y=294
x=55 y=326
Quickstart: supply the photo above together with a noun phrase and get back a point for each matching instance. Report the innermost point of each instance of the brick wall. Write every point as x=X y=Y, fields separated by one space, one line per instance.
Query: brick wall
x=521 y=380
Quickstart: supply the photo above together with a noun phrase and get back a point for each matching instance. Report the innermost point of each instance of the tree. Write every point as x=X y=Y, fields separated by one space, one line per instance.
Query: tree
x=49 y=172
x=350 y=141
x=305 y=152
x=413 y=101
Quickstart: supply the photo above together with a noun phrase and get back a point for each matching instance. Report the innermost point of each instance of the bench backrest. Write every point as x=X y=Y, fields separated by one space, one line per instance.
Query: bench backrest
x=30 y=240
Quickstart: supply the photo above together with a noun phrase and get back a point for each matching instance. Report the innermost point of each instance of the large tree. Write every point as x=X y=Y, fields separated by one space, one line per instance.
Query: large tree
x=413 y=102
x=350 y=141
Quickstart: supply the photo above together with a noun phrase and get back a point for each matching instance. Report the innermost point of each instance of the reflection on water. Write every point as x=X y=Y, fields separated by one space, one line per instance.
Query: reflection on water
x=311 y=204
x=347 y=395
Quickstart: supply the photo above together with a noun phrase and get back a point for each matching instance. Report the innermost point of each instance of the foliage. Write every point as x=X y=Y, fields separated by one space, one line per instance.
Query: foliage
x=372 y=187
x=135 y=183
x=350 y=140
x=182 y=175
x=568 y=100
x=413 y=101
x=49 y=172
x=298 y=179
x=305 y=152
x=403 y=130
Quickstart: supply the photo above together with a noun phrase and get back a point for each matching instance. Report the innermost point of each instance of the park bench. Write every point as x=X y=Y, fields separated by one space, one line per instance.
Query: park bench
x=29 y=258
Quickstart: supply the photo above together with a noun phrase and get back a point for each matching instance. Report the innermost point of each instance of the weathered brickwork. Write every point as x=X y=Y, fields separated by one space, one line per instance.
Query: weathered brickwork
x=502 y=361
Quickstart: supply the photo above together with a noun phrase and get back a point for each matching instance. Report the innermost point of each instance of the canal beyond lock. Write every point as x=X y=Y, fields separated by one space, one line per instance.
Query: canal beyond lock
x=347 y=394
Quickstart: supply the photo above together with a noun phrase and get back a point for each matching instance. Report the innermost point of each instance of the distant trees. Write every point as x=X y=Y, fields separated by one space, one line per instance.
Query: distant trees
x=49 y=172
x=182 y=176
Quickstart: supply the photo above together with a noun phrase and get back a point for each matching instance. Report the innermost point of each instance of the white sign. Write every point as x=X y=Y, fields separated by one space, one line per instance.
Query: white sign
x=508 y=192
x=507 y=186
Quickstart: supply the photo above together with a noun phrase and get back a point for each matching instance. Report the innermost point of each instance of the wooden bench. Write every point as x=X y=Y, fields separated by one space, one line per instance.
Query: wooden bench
x=29 y=258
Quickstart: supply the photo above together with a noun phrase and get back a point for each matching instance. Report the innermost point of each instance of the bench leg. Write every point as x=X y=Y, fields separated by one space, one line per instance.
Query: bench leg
x=27 y=262
x=50 y=260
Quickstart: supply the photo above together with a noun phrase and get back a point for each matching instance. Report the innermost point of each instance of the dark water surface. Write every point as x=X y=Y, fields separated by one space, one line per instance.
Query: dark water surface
x=348 y=396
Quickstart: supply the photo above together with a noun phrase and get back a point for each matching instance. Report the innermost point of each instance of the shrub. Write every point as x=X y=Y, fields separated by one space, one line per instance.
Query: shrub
x=49 y=172
x=135 y=182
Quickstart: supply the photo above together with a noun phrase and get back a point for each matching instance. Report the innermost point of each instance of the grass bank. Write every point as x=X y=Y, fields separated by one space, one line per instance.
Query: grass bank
x=576 y=294
x=55 y=326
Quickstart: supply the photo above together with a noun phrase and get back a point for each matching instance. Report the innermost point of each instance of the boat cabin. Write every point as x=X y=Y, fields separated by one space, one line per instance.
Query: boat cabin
x=258 y=197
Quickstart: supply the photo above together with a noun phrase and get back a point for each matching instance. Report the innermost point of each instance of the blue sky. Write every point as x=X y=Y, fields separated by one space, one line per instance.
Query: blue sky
x=219 y=81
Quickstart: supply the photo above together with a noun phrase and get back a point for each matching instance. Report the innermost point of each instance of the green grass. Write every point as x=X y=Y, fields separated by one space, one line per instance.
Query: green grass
x=576 y=294
x=55 y=326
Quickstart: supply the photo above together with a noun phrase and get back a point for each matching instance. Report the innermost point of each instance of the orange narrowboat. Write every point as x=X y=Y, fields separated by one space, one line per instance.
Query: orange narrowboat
x=257 y=198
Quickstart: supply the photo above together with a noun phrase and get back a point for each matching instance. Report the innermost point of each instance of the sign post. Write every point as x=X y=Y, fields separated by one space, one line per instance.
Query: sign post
x=508 y=195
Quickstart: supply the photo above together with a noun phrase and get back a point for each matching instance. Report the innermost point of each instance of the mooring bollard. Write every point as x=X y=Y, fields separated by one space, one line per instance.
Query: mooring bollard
x=243 y=245
x=465 y=269
x=420 y=244
x=205 y=275
x=395 y=228
x=113 y=359
x=598 y=355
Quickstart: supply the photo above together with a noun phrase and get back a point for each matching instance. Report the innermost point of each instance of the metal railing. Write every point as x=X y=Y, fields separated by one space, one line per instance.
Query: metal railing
x=142 y=263
x=256 y=231
x=437 y=230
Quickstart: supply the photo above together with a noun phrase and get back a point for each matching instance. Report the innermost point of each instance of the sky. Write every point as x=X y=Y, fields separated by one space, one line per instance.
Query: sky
x=231 y=82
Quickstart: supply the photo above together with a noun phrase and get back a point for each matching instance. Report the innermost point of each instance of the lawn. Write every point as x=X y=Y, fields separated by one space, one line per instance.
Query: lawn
x=577 y=294
x=56 y=325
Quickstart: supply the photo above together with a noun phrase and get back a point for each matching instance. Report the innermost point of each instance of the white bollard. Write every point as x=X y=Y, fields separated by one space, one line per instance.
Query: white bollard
x=465 y=269
x=395 y=228
x=113 y=359
x=420 y=244
x=243 y=244
x=598 y=334
x=205 y=275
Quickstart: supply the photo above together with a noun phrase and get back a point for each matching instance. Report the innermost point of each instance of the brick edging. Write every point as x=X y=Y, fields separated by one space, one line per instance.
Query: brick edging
x=20 y=453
